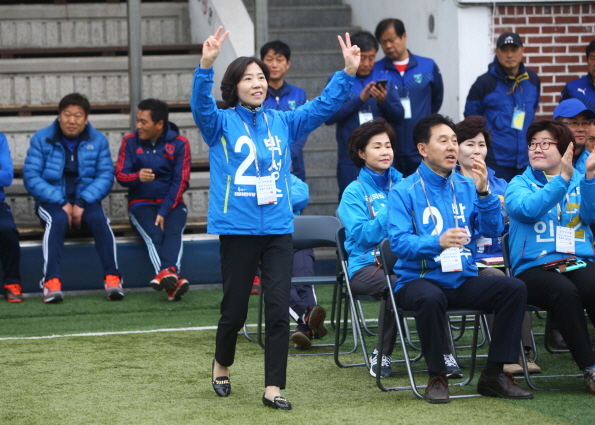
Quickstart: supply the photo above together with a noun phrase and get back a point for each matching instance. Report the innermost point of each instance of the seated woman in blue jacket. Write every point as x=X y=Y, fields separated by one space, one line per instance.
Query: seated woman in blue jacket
x=474 y=141
x=250 y=200
x=363 y=212
x=550 y=207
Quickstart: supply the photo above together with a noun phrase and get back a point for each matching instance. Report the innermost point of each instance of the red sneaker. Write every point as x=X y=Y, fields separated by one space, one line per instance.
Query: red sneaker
x=113 y=287
x=255 y=286
x=166 y=279
x=52 y=291
x=181 y=289
x=13 y=293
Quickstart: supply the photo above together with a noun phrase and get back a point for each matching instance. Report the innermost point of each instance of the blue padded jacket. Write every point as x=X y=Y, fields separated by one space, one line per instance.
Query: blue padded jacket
x=6 y=170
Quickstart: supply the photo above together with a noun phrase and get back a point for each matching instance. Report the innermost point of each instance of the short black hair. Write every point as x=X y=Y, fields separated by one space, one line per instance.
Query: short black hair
x=385 y=24
x=233 y=75
x=365 y=41
x=75 y=99
x=276 y=46
x=159 y=109
x=423 y=129
x=471 y=127
x=360 y=137
x=590 y=48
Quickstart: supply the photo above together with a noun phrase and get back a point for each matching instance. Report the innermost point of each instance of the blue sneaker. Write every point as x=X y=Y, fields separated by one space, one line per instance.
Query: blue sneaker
x=385 y=370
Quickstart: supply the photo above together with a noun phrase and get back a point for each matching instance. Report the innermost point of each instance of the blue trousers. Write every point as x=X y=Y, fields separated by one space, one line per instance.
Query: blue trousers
x=165 y=246
x=94 y=221
x=10 y=250
x=302 y=297
x=505 y=296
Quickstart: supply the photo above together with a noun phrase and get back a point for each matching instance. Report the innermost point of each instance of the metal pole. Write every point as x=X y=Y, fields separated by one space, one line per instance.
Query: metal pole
x=261 y=24
x=135 y=58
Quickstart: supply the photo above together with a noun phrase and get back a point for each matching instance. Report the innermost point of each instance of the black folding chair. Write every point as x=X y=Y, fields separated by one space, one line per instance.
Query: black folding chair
x=389 y=259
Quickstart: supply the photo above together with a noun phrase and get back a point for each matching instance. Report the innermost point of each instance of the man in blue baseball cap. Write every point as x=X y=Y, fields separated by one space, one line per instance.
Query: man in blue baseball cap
x=576 y=116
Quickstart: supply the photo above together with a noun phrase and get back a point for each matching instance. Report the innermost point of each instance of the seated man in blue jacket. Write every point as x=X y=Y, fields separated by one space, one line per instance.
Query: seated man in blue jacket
x=431 y=217
x=576 y=116
x=154 y=164
x=68 y=170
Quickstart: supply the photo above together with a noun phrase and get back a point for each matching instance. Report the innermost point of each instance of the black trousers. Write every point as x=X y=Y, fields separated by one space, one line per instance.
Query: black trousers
x=565 y=295
x=240 y=255
x=506 y=297
x=10 y=250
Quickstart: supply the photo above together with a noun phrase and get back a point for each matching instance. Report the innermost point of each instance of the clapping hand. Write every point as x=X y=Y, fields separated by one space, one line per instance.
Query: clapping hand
x=480 y=174
x=567 y=168
x=351 y=54
x=211 y=48
x=590 y=167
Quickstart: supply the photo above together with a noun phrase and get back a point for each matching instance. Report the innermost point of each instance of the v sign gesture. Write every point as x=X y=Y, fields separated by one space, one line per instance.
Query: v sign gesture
x=351 y=54
x=211 y=48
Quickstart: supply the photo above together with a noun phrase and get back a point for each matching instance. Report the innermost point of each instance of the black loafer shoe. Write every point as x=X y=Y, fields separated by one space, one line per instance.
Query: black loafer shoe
x=437 y=389
x=221 y=385
x=502 y=386
x=278 y=403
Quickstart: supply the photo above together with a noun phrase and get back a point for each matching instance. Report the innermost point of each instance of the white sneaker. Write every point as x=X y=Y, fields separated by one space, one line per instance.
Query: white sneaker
x=452 y=368
x=385 y=370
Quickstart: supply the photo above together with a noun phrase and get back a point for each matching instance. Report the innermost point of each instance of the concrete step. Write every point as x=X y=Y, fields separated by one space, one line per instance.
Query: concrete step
x=90 y=25
x=309 y=38
x=277 y=3
x=320 y=61
x=320 y=156
x=322 y=205
x=101 y=79
x=310 y=16
x=18 y=131
x=322 y=181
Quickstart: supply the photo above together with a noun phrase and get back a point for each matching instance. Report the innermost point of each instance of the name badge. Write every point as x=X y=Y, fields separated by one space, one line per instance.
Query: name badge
x=450 y=260
x=406 y=102
x=518 y=119
x=365 y=116
x=266 y=190
x=564 y=240
x=482 y=241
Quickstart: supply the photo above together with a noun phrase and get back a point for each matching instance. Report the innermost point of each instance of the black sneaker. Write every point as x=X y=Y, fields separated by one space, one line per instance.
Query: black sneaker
x=453 y=371
x=385 y=370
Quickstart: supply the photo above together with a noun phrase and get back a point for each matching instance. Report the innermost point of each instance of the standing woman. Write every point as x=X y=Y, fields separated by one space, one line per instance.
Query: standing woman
x=550 y=207
x=249 y=205
x=363 y=211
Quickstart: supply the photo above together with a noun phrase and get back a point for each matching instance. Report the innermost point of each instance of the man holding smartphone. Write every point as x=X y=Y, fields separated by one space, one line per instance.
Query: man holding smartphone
x=370 y=97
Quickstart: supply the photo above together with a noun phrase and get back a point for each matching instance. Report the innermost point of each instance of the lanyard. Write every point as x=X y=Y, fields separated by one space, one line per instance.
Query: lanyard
x=454 y=200
x=253 y=145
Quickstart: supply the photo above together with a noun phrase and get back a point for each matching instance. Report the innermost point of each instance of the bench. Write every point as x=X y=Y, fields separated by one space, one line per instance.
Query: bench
x=47 y=52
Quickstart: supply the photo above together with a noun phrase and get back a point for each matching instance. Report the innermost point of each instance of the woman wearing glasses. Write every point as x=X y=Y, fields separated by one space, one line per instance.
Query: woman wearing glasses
x=550 y=207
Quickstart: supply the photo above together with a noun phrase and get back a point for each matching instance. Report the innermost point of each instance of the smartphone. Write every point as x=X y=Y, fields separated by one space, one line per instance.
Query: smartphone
x=381 y=83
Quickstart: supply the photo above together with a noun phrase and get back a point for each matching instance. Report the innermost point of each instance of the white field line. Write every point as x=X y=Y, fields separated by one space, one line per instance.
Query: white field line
x=200 y=328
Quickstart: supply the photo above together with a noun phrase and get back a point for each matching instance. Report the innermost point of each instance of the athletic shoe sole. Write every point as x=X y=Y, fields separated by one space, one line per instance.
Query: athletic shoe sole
x=53 y=298
x=301 y=341
x=182 y=289
x=316 y=322
x=115 y=294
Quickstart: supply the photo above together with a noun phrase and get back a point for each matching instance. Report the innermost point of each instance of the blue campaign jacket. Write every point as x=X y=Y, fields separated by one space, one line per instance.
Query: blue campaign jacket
x=233 y=209
x=531 y=203
x=363 y=232
x=498 y=187
x=6 y=170
x=170 y=161
x=43 y=173
x=491 y=97
x=347 y=118
x=300 y=195
x=582 y=89
x=414 y=238
x=422 y=83
x=291 y=97
x=580 y=163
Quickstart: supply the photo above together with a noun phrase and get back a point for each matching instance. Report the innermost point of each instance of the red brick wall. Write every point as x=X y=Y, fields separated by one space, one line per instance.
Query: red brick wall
x=555 y=37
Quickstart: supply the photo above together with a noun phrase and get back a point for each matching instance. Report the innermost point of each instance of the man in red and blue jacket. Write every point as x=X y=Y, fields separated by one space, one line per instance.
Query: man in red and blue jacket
x=154 y=164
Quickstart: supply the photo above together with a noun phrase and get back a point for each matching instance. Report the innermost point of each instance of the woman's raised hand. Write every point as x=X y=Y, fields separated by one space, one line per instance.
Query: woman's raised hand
x=211 y=48
x=567 y=168
x=351 y=54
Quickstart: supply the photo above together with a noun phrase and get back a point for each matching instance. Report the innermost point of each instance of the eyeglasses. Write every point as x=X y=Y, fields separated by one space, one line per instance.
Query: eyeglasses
x=576 y=124
x=544 y=145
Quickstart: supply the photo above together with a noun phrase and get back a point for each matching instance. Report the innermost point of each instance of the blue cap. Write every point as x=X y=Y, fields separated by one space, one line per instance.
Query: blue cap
x=570 y=108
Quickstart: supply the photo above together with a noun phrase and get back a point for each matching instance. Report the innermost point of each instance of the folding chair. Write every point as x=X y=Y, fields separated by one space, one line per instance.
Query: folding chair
x=358 y=320
x=528 y=378
x=389 y=259
x=310 y=231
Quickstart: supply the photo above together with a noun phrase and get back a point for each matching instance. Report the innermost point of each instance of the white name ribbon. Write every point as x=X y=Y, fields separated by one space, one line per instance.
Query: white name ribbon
x=266 y=191
x=565 y=240
x=365 y=116
x=450 y=260
x=406 y=102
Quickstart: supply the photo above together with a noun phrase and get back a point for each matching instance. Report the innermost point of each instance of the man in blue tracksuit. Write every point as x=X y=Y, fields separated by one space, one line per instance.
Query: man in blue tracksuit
x=583 y=88
x=367 y=100
x=154 y=164
x=431 y=218
x=10 y=251
x=576 y=116
x=507 y=96
x=284 y=96
x=68 y=170
x=418 y=82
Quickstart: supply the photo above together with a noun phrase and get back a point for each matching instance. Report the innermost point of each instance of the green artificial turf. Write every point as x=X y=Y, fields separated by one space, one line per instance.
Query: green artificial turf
x=164 y=377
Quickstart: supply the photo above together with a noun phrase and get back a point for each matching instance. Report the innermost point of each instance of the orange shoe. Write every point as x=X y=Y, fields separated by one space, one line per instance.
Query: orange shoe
x=166 y=279
x=52 y=291
x=13 y=293
x=180 y=289
x=113 y=287
x=255 y=286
